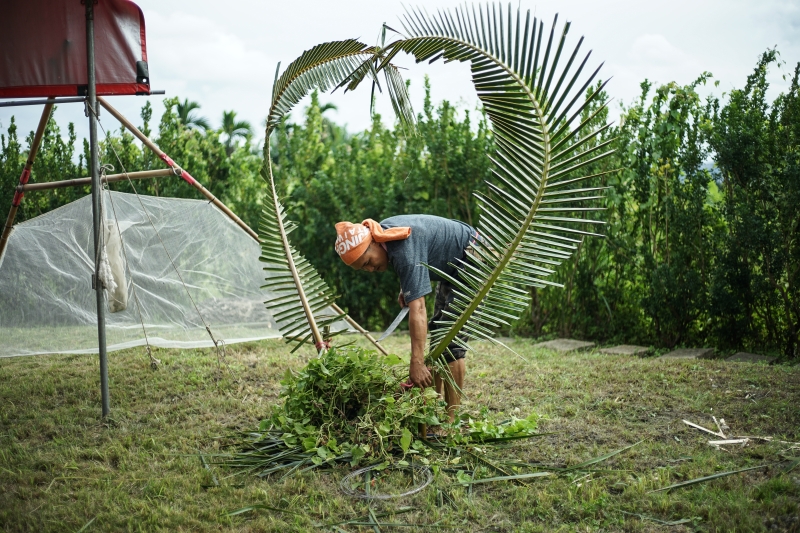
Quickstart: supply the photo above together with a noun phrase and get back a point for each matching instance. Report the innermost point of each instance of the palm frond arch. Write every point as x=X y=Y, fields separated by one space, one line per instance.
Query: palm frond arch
x=536 y=154
x=521 y=239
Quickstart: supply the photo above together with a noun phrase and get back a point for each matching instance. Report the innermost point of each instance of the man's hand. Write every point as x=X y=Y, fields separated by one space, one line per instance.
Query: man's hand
x=400 y=299
x=420 y=375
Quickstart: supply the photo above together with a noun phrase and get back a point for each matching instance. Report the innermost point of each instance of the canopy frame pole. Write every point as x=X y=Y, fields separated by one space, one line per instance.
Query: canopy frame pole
x=17 y=103
x=178 y=170
x=26 y=174
x=97 y=194
x=108 y=178
x=214 y=200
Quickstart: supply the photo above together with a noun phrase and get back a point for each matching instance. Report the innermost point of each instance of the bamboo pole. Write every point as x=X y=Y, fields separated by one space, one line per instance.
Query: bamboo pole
x=110 y=178
x=224 y=208
x=182 y=173
x=205 y=192
x=26 y=173
x=358 y=328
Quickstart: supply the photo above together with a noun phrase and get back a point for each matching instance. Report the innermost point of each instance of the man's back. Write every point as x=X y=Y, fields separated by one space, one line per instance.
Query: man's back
x=435 y=241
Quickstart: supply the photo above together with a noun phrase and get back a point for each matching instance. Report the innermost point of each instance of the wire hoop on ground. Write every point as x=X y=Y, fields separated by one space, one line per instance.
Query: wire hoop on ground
x=420 y=472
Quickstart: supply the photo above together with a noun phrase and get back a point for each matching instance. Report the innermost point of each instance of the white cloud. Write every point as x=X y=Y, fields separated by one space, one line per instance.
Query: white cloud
x=202 y=51
x=656 y=51
x=223 y=54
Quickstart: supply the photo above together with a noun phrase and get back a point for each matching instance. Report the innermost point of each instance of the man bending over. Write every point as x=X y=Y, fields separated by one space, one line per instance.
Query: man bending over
x=406 y=242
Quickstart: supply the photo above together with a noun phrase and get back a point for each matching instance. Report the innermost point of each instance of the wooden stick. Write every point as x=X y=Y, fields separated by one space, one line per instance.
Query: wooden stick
x=358 y=328
x=728 y=441
x=110 y=178
x=703 y=429
x=26 y=172
x=766 y=439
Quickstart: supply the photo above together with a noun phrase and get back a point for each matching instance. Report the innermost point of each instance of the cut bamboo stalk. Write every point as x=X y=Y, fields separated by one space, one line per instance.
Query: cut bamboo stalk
x=26 y=173
x=701 y=428
x=728 y=441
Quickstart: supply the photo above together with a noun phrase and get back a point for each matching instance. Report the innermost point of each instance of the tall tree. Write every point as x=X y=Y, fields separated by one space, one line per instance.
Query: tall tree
x=757 y=290
x=188 y=117
x=234 y=129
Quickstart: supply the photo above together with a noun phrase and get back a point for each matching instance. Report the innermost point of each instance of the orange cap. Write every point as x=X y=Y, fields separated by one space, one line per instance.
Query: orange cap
x=352 y=240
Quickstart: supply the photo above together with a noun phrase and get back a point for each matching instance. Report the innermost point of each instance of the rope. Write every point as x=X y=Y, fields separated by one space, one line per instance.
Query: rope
x=347 y=482
x=218 y=345
x=324 y=344
x=154 y=363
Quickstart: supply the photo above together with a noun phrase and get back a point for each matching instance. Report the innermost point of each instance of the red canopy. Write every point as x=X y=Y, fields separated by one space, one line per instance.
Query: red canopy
x=43 y=48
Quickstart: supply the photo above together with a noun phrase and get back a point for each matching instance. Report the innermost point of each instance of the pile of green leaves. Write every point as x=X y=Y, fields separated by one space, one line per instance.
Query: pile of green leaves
x=351 y=399
x=348 y=406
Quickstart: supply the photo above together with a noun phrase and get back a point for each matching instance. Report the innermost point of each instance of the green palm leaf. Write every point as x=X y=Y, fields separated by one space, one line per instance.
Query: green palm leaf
x=324 y=66
x=301 y=299
x=300 y=296
x=528 y=224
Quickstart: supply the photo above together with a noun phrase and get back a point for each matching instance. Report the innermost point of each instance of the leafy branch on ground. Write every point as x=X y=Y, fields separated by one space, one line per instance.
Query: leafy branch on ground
x=348 y=406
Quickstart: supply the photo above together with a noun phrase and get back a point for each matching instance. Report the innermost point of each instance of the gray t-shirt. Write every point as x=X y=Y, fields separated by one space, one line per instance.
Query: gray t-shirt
x=435 y=241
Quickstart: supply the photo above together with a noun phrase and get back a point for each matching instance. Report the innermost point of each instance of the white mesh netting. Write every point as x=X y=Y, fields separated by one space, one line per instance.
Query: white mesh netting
x=47 y=304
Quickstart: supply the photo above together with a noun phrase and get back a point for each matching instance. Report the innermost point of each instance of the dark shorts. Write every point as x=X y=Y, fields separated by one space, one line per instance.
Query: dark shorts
x=444 y=297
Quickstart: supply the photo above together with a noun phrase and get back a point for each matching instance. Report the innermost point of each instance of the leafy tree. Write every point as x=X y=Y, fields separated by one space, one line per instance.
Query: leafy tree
x=677 y=237
x=54 y=161
x=234 y=129
x=694 y=252
x=12 y=161
x=188 y=117
x=756 y=296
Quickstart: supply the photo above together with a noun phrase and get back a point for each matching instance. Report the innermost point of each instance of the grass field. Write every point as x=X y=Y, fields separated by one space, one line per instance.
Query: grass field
x=63 y=469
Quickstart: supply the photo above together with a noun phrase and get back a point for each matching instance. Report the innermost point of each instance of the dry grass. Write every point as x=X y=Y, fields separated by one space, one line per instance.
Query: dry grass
x=61 y=467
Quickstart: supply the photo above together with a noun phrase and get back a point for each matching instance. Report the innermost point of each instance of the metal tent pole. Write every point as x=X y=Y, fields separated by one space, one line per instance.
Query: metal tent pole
x=109 y=178
x=96 y=205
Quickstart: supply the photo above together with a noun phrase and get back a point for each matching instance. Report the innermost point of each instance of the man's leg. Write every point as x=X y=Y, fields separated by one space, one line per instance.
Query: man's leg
x=453 y=356
x=439 y=303
x=452 y=395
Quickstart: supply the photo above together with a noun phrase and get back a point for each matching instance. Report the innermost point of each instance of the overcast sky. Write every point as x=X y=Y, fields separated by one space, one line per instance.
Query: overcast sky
x=223 y=54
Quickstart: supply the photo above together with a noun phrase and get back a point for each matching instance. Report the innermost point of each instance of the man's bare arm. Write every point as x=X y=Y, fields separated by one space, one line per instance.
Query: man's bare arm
x=418 y=328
